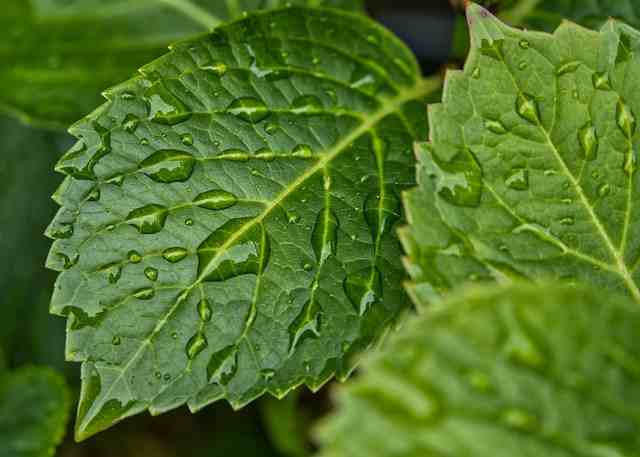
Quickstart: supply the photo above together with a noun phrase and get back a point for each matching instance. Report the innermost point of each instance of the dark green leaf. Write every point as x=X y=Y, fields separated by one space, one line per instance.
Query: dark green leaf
x=227 y=226
x=526 y=370
x=34 y=409
x=532 y=166
x=58 y=55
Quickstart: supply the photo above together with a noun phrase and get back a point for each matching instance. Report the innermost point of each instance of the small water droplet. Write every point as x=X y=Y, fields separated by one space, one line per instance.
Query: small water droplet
x=174 y=335
x=569 y=67
x=601 y=81
x=165 y=108
x=588 y=141
x=217 y=68
x=158 y=375
x=524 y=44
x=495 y=127
x=604 y=190
x=130 y=123
x=188 y=222
x=186 y=139
x=144 y=142
x=625 y=118
x=271 y=128
x=148 y=219
x=305 y=325
x=222 y=365
x=567 y=221
x=144 y=294
x=116 y=340
x=363 y=288
x=249 y=109
x=527 y=108
x=174 y=254
x=196 y=345
x=134 y=257
x=215 y=200
x=293 y=218
x=94 y=195
x=306 y=103
x=151 y=273
x=267 y=374
x=166 y=377
x=381 y=213
x=307 y=267
x=303 y=151
x=630 y=163
x=475 y=74
x=522 y=65
x=113 y=271
x=204 y=310
x=168 y=166
x=518 y=179
x=61 y=231
x=324 y=236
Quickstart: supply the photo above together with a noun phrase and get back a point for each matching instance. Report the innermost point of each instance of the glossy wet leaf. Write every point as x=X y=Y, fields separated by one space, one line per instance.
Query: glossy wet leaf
x=523 y=370
x=532 y=169
x=34 y=409
x=270 y=232
x=59 y=55
x=548 y=14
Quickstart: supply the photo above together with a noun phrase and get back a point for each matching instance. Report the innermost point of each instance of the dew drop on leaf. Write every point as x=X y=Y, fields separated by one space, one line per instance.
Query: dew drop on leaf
x=363 y=288
x=144 y=294
x=527 y=108
x=601 y=81
x=165 y=108
x=306 y=103
x=167 y=166
x=518 y=179
x=204 y=310
x=215 y=200
x=174 y=254
x=381 y=213
x=625 y=118
x=196 y=344
x=249 y=109
x=306 y=324
x=148 y=219
x=495 y=127
x=151 y=273
x=588 y=141
x=324 y=236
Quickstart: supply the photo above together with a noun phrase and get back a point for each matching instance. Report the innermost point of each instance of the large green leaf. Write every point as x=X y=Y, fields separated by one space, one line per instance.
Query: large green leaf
x=548 y=14
x=526 y=370
x=34 y=409
x=532 y=166
x=26 y=182
x=227 y=224
x=58 y=55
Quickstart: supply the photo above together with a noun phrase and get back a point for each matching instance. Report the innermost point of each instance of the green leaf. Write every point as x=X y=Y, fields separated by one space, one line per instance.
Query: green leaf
x=227 y=226
x=523 y=370
x=532 y=166
x=34 y=409
x=58 y=55
x=26 y=182
x=548 y=14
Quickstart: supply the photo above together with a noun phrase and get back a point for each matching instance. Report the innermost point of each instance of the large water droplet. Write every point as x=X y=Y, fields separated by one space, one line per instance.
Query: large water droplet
x=239 y=247
x=165 y=108
x=381 y=213
x=527 y=108
x=518 y=179
x=215 y=199
x=625 y=118
x=306 y=103
x=151 y=273
x=130 y=123
x=601 y=81
x=495 y=127
x=134 y=257
x=168 y=166
x=249 y=109
x=363 y=288
x=204 y=310
x=196 y=344
x=588 y=141
x=324 y=237
x=148 y=219
x=222 y=365
x=458 y=182
x=306 y=324
x=175 y=254
x=186 y=139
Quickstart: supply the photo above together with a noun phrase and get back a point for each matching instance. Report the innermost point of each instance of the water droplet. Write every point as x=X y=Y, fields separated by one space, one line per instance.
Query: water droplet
x=518 y=179
x=239 y=247
x=306 y=103
x=567 y=221
x=293 y=218
x=522 y=65
x=166 y=377
x=249 y=109
x=527 y=108
x=524 y=44
x=604 y=190
x=519 y=419
x=495 y=127
x=168 y=166
x=174 y=335
x=625 y=118
x=144 y=294
x=151 y=273
x=68 y=261
x=175 y=254
x=134 y=257
x=381 y=213
x=94 y=195
x=569 y=67
x=588 y=141
x=217 y=68
x=307 y=267
x=188 y=222
x=130 y=123
x=113 y=271
x=186 y=139
x=158 y=375
x=363 y=288
x=305 y=325
x=116 y=340
x=267 y=374
x=204 y=310
x=165 y=108
x=458 y=182
x=630 y=163
x=492 y=48
x=128 y=95
x=149 y=219
x=324 y=237
x=475 y=74
x=303 y=151
x=215 y=200
x=271 y=128
x=61 y=231
x=601 y=81
x=196 y=345
x=144 y=142
x=222 y=365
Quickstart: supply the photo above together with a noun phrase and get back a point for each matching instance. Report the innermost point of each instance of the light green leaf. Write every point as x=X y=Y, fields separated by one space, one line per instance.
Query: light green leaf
x=532 y=166
x=548 y=14
x=227 y=226
x=58 y=55
x=34 y=409
x=524 y=370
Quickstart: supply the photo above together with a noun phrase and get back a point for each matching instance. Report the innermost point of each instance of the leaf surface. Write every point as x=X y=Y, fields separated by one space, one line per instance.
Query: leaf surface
x=59 y=55
x=532 y=166
x=227 y=226
x=530 y=370
x=34 y=409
